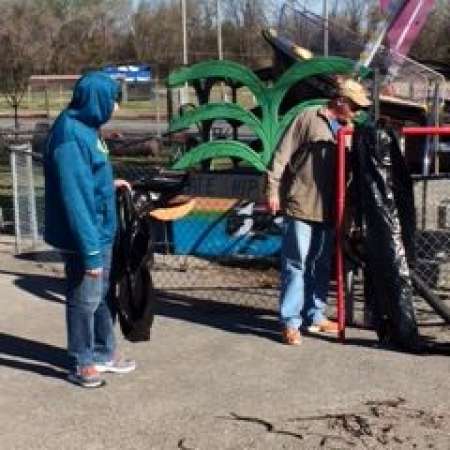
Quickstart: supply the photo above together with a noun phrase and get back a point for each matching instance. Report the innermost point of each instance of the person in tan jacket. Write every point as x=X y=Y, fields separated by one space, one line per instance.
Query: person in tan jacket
x=300 y=184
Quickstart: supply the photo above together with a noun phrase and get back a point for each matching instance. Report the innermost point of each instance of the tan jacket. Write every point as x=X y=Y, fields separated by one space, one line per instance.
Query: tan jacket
x=302 y=173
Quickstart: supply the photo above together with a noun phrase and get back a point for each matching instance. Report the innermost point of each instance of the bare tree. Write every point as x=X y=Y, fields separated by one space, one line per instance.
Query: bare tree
x=156 y=33
x=246 y=19
x=26 y=32
x=353 y=13
x=433 y=42
x=67 y=36
x=91 y=34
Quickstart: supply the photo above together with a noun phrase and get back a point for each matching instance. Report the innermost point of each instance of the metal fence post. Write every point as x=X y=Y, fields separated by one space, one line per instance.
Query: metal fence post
x=23 y=193
x=158 y=118
x=376 y=95
x=17 y=233
x=31 y=197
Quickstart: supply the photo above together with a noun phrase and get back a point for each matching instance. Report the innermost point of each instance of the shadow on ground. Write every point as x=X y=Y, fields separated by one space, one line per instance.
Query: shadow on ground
x=428 y=347
x=228 y=317
x=224 y=316
x=41 y=286
x=32 y=356
x=243 y=319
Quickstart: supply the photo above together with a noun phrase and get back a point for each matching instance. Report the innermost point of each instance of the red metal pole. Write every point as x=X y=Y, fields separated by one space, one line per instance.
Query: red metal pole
x=340 y=204
x=421 y=131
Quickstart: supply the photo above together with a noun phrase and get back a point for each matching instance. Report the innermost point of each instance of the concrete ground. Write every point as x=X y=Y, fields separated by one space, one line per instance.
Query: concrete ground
x=209 y=380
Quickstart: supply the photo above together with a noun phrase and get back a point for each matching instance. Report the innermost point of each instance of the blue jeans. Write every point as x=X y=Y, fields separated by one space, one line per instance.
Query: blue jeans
x=89 y=312
x=305 y=272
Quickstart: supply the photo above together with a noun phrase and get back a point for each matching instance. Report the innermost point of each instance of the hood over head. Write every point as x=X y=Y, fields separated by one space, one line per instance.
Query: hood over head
x=93 y=99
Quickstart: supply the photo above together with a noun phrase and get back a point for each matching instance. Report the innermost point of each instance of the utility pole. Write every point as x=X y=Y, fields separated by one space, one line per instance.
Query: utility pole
x=325 y=27
x=184 y=90
x=184 y=26
x=219 y=43
x=219 y=30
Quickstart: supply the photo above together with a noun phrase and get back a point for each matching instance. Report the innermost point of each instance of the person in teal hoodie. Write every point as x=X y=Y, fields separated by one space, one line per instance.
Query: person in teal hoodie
x=80 y=220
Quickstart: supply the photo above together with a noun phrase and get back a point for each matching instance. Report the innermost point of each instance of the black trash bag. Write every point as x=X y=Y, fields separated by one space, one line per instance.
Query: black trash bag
x=385 y=204
x=132 y=285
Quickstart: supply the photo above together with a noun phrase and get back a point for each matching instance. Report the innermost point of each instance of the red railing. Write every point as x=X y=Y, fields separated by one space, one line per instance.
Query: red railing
x=426 y=131
x=340 y=207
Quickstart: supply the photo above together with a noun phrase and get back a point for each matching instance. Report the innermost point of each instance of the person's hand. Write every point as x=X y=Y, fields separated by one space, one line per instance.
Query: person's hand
x=121 y=183
x=273 y=205
x=94 y=273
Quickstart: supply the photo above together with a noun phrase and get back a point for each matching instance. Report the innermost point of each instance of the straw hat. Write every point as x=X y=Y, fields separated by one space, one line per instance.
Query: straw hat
x=355 y=91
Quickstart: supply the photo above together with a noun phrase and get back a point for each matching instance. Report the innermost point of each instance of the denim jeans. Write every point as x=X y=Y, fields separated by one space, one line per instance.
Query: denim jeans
x=89 y=312
x=305 y=272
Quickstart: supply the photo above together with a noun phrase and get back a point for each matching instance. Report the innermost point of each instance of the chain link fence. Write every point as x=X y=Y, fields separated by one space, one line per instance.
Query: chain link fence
x=226 y=250
x=27 y=191
x=433 y=233
x=412 y=80
x=210 y=255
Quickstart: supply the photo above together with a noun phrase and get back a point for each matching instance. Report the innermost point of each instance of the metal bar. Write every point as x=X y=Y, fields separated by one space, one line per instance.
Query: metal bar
x=31 y=197
x=158 y=113
x=440 y=176
x=376 y=95
x=220 y=45
x=184 y=27
x=423 y=222
x=435 y=113
x=325 y=28
x=425 y=131
x=422 y=131
x=219 y=30
x=13 y=162
x=402 y=145
x=184 y=94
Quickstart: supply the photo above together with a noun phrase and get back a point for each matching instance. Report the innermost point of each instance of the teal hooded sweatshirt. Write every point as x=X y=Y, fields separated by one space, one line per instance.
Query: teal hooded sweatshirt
x=80 y=211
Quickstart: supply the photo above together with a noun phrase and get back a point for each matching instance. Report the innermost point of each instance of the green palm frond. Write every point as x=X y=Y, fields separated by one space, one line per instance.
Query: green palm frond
x=226 y=111
x=225 y=70
x=220 y=149
x=271 y=127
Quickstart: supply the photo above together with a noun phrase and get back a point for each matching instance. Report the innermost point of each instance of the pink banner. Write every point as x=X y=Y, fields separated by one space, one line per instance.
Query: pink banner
x=408 y=24
x=384 y=4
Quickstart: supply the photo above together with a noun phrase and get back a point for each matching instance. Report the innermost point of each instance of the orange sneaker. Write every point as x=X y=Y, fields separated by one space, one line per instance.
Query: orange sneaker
x=325 y=326
x=87 y=377
x=291 y=336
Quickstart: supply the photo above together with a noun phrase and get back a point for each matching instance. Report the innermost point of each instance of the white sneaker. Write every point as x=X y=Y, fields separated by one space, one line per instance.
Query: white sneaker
x=118 y=365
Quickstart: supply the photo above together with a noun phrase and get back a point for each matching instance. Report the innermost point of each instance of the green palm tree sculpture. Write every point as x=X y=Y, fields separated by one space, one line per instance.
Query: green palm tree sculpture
x=269 y=127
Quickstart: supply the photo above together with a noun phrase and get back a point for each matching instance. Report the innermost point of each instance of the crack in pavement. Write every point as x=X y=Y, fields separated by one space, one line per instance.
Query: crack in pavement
x=382 y=423
x=270 y=427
